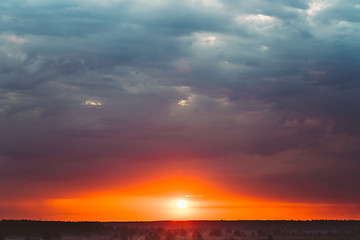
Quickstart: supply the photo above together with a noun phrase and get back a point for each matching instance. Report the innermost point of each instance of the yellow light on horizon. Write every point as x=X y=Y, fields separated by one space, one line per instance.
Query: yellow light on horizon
x=181 y=204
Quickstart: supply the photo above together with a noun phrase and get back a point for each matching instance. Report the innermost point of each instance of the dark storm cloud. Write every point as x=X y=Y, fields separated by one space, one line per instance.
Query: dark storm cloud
x=118 y=84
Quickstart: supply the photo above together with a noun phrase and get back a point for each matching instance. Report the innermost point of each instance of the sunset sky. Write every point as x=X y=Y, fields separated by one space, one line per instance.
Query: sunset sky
x=112 y=110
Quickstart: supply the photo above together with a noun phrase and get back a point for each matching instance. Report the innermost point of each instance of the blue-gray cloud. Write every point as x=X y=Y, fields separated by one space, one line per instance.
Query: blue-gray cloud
x=121 y=83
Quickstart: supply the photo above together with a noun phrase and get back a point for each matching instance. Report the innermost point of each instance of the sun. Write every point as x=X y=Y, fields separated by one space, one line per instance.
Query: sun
x=181 y=204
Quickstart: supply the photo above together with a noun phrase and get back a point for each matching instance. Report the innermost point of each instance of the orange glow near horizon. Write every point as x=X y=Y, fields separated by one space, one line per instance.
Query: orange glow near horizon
x=157 y=200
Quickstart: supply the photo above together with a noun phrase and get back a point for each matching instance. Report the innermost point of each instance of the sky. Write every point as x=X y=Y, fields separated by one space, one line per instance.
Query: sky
x=112 y=110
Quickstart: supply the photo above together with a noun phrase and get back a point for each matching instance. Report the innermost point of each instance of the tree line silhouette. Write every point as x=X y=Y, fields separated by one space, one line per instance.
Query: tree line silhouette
x=186 y=230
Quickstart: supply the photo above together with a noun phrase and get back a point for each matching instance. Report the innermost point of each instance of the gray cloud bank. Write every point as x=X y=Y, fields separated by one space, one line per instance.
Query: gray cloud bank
x=261 y=93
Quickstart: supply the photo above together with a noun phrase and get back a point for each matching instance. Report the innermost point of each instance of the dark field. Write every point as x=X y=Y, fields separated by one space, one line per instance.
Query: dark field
x=184 y=230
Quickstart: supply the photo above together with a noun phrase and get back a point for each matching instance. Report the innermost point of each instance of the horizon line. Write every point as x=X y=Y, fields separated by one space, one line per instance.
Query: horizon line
x=220 y=220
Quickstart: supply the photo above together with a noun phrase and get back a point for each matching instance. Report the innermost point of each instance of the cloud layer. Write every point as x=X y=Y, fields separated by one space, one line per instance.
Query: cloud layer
x=260 y=97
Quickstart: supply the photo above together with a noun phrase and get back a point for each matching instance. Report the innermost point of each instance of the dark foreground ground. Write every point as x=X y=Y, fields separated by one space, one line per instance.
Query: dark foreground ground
x=185 y=230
